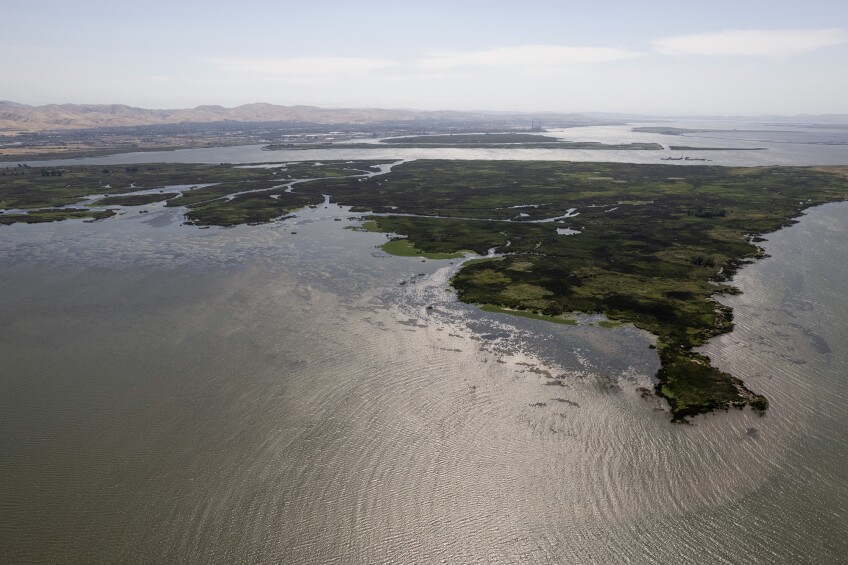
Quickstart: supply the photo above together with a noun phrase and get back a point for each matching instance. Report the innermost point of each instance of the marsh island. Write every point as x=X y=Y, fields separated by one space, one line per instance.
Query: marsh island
x=476 y=140
x=649 y=245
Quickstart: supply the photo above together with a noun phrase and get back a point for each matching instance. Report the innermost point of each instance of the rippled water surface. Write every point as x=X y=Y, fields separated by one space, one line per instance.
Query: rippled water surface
x=252 y=394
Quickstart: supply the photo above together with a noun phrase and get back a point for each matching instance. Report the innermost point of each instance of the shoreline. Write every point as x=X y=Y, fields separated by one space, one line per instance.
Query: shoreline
x=666 y=289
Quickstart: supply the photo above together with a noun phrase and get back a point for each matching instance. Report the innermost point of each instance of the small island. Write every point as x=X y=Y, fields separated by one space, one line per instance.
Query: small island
x=470 y=139
x=649 y=245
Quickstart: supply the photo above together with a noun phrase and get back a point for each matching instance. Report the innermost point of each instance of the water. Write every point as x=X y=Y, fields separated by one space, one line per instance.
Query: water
x=755 y=145
x=256 y=395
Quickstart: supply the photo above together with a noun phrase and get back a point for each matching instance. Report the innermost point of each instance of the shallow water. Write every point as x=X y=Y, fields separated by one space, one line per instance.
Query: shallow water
x=755 y=145
x=257 y=395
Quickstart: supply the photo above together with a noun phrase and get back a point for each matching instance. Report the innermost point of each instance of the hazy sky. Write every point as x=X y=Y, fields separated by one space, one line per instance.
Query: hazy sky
x=705 y=57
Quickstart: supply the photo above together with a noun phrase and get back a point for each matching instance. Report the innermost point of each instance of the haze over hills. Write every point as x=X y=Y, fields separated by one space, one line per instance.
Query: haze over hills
x=24 y=118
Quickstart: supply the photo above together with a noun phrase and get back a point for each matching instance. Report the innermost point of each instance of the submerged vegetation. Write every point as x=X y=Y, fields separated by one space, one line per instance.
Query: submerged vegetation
x=654 y=241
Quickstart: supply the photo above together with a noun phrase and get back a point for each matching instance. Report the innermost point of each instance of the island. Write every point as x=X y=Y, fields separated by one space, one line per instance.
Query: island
x=508 y=140
x=471 y=139
x=649 y=245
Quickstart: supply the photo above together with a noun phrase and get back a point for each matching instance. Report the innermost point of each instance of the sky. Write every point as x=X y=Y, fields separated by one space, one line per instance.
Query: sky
x=741 y=57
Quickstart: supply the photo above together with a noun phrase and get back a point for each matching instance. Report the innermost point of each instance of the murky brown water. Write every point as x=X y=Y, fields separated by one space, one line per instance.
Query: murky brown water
x=251 y=395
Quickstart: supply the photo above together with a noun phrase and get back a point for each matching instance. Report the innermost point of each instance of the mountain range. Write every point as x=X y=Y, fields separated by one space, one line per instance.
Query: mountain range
x=15 y=117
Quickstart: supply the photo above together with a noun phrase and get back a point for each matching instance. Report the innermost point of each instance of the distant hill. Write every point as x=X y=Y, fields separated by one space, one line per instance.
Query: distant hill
x=24 y=118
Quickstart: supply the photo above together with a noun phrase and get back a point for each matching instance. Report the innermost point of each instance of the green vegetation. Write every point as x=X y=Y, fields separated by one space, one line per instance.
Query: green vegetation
x=477 y=141
x=527 y=314
x=81 y=153
x=692 y=386
x=54 y=215
x=26 y=188
x=369 y=226
x=471 y=139
x=252 y=208
x=480 y=260
x=617 y=146
x=404 y=248
x=664 y=130
x=655 y=240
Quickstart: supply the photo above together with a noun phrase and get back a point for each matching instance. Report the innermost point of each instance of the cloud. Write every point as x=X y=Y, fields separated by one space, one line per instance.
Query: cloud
x=302 y=68
x=538 y=57
x=753 y=43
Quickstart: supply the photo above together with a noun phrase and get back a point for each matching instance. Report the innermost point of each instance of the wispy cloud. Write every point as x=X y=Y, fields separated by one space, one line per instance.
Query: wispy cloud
x=302 y=68
x=530 y=57
x=754 y=43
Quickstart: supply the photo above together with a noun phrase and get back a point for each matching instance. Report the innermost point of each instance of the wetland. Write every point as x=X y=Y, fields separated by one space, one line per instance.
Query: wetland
x=231 y=367
x=647 y=245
